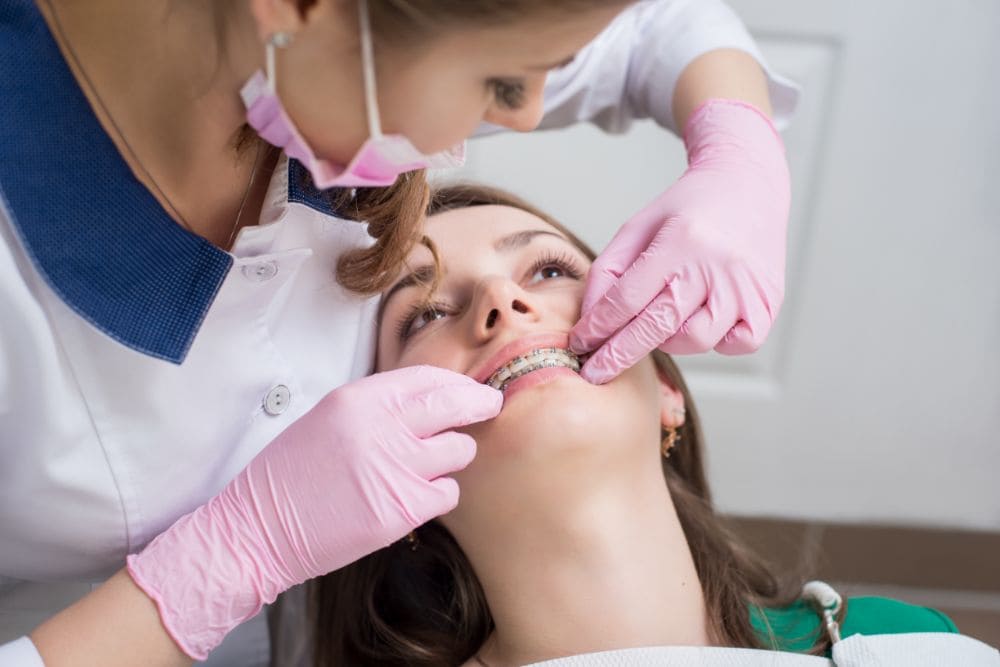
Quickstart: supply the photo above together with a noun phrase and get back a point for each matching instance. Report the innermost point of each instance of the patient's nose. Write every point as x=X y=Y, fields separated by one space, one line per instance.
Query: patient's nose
x=500 y=303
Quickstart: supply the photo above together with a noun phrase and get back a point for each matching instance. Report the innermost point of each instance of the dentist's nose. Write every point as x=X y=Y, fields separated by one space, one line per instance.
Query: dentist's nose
x=501 y=303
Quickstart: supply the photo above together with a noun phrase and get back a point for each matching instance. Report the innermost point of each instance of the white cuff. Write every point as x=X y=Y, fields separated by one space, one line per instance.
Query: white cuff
x=20 y=653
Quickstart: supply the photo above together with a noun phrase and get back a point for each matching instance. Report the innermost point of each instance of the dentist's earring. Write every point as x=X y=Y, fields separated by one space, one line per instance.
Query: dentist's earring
x=280 y=39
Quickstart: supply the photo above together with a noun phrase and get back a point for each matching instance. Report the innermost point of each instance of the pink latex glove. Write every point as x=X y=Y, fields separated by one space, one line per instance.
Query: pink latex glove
x=359 y=471
x=703 y=266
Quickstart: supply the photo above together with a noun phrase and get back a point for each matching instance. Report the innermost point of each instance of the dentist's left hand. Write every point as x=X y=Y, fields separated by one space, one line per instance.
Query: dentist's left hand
x=364 y=467
x=703 y=266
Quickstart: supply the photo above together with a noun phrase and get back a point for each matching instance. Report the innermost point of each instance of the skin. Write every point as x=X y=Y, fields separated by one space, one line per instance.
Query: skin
x=564 y=513
x=723 y=73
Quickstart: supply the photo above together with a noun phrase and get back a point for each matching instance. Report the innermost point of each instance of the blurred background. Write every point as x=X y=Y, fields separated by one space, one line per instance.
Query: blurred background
x=862 y=442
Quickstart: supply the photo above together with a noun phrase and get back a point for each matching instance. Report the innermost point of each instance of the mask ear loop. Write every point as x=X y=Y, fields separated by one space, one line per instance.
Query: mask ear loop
x=368 y=70
x=283 y=39
x=279 y=40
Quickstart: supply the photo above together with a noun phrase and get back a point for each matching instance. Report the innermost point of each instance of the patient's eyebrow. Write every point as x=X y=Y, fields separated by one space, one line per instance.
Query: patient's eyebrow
x=422 y=275
x=521 y=239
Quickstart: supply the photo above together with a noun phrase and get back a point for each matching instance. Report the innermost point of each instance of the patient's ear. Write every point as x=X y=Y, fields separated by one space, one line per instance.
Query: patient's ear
x=672 y=409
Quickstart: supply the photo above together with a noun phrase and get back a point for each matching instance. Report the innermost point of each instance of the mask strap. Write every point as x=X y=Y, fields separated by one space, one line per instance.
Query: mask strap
x=279 y=40
x=282 y=39
x=368 y=69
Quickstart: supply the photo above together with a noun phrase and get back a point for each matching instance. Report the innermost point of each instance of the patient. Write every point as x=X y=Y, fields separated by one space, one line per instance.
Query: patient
x=585 y=522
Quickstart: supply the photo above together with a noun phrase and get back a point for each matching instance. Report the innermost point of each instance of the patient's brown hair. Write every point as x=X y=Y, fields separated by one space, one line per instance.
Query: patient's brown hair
x=425 y=606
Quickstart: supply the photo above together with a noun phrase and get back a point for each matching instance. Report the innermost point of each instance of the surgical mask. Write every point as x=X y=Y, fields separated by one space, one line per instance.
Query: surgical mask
x=379 y=161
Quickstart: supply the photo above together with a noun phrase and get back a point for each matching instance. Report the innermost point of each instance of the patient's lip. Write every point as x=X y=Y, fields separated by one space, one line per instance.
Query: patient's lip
x=516 y=348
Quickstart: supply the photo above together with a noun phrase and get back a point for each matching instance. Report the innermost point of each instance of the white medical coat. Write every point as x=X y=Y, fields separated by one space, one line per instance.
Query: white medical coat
x=140 y=369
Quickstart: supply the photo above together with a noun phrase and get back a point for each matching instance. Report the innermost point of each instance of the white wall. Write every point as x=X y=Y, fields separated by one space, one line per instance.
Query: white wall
x=877 y=397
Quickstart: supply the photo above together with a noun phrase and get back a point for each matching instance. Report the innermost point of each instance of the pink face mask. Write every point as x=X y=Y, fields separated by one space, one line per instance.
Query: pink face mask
x=379 y=160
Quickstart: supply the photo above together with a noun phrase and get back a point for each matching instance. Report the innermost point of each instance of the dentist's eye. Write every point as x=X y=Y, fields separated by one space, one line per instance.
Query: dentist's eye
x=509 y=94
x=417 y=318
x=555 y=265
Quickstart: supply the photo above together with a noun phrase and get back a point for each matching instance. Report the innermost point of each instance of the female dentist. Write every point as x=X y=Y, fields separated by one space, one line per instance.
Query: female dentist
x=178 y=359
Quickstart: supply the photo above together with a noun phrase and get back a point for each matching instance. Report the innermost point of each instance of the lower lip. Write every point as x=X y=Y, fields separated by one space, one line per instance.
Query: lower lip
x=536 y=378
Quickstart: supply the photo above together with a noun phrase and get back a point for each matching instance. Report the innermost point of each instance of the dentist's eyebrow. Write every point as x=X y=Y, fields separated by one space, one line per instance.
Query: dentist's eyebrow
x=521 y=239
x=422 y=275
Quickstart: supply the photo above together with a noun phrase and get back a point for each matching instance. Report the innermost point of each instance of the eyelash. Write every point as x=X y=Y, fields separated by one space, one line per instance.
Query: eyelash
x=403 y=329
x=508 y=94
x=563 y=260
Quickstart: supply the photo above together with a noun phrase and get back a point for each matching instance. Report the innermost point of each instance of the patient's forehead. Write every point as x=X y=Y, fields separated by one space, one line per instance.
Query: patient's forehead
x=474 y=229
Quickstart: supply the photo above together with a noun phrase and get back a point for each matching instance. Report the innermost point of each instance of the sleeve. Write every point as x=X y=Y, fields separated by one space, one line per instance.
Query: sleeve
x=629 y=71
x=20 y=653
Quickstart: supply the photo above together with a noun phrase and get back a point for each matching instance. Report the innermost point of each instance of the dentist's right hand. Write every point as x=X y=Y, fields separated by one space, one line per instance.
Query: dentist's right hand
x=364 y=467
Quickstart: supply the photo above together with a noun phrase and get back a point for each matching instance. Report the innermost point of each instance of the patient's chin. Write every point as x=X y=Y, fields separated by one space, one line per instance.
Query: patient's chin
x=565 y=413
x=556 y=447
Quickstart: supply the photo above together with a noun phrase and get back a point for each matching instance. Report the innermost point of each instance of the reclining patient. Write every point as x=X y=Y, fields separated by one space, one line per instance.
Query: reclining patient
x=584 y=522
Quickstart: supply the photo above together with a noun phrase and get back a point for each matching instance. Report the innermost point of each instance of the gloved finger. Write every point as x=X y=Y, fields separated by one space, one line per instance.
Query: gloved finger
x=624 y=249
x=440 y=455
x=637 y=339
x=752 y=330
x=624 y=300
x=450 y=407
x=704 y=329
x=418 y=379
x=438 y=496
x=741 y=339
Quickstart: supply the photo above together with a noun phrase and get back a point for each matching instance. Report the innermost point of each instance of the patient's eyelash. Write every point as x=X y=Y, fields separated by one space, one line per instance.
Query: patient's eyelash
x=404 y=330
x=562 y=259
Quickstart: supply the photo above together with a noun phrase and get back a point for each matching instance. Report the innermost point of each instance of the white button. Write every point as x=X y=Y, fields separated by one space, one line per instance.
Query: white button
x=260 y=271
x=277 y=400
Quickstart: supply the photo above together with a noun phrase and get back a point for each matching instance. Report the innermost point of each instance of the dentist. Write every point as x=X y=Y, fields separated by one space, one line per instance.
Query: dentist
x=183 y=431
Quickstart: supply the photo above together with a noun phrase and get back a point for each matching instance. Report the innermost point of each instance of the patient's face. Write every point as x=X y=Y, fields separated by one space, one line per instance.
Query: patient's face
x=487 y=297
x=512 y=283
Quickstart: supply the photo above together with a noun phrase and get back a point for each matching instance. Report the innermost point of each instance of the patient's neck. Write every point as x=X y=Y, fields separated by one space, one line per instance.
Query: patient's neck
x=587 y=568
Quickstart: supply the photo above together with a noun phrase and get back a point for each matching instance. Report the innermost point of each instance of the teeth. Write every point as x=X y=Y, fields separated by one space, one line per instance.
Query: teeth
x=546 y=357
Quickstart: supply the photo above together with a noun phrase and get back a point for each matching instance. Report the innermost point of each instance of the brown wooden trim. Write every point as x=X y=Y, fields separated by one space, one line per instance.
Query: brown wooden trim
x=897 y=555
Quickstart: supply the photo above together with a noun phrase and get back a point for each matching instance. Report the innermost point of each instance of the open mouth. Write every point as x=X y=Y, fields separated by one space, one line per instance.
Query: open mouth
x=544 y=357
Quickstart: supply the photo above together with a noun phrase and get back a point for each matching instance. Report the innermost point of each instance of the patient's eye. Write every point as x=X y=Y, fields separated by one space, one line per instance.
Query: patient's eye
x=417 y=318
x=555 y=265
x=550 y=271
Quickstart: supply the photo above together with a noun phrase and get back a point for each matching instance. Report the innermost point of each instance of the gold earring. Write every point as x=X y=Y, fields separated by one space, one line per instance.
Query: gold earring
x=412 y=539
x=669 y=441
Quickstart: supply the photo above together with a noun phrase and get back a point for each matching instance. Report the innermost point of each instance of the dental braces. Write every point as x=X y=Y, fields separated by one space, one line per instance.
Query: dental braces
x=547 y=357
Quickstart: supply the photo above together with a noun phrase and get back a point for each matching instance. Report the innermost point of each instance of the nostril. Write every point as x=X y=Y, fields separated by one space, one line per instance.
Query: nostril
x=491 y=318
x=519 y=307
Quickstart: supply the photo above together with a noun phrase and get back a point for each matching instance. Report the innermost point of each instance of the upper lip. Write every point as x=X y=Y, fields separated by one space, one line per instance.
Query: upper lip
x=516 y=348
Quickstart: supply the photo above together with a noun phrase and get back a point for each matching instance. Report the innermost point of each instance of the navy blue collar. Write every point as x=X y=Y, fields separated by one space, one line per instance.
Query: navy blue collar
x=94 y=232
